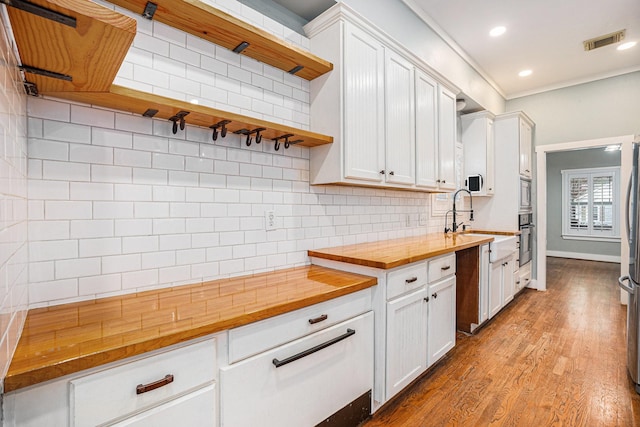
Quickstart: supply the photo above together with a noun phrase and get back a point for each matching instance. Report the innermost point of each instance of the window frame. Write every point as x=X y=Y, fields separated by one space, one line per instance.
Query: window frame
x=594 y=235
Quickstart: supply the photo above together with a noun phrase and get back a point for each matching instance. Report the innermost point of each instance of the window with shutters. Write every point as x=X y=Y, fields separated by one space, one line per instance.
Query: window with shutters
x=590 y=205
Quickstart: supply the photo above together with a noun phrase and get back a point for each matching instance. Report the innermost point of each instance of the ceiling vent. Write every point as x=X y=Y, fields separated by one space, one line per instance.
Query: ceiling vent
x=604 y=40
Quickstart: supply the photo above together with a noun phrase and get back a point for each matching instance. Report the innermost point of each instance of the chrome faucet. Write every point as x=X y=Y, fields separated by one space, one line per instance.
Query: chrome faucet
x=454 y=211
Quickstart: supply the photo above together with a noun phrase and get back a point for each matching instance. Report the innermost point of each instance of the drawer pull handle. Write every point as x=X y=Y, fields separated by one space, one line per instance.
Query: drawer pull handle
x=413 y=279
x=445 y=268
x=143 y=388
x=312 y=350
x=318 y=319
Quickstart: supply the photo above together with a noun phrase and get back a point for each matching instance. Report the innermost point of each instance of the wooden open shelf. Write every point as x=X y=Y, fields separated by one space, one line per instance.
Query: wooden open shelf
x=92 y=52
x=134 y=101
x=214 y=25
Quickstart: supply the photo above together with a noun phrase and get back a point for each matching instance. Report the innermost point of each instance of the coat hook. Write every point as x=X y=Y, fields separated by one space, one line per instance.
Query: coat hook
x=248 y=142
x=286 y=141
x=258 y=134
x=221 y=124
x=178 y=117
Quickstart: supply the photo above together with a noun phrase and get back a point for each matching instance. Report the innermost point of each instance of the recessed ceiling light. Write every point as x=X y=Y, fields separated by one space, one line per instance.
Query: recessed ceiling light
x=497 y=31
x=627 y=45
x=525 y=73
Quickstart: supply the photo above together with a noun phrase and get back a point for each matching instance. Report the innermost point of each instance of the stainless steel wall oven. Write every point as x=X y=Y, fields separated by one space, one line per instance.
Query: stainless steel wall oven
x=525 y=222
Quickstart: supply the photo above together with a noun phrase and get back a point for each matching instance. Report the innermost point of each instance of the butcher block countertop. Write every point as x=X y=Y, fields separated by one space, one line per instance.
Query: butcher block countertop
x=65 y=339
x=387 y=254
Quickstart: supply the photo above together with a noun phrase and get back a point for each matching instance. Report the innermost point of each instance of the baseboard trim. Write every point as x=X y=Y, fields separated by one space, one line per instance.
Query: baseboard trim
x=588 y=257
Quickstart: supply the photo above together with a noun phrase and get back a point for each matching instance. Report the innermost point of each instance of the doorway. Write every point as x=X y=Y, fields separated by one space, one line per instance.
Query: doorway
x=541 y=200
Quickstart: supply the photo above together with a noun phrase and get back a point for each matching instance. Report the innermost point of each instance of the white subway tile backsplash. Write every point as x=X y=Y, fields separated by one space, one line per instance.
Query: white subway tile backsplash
x=151 y=209
x=48 y=230
x=150 y=176
x=184 y=56
x=92 y=116
x=111 y=174
x=158 y=259
x=49 y=150
x=139 y=279
x=132 y=192
x=131 y=158
x=41 y=271
x=100 y=247
x=52 y=291
x=121 y=263
x=170 y=34
x=112 y=210
x=167 y=161
x=137 y=244
x=168 y=194
x=82 y=267
x=133 y=123
x=175 y=241
x=52 y=250
x=90 y=191
x=88 y=229
x=99 y=284
x=196 y=44
x=133 y=227
x=90 y=154
x=66 y=171
x=55 y=210
x=67 y=132
x=48 y=109
x=113 y=138
x=51 y=190
x=169 y=226
x=151 y=44
x=175 y=274
x=150 y=143
x=156 y=78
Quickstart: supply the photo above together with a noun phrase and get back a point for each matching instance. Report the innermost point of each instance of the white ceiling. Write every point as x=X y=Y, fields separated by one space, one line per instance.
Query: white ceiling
x=542 y=35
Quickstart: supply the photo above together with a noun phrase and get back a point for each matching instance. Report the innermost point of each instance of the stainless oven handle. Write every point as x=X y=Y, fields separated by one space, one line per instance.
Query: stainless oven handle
x=627 y=288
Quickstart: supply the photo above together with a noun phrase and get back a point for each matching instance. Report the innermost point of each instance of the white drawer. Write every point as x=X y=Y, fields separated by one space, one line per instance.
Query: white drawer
x=406 y=279
x=441 y=267
x=525 y=275
x=112 y=393
x=303 y=390
x=257 y=337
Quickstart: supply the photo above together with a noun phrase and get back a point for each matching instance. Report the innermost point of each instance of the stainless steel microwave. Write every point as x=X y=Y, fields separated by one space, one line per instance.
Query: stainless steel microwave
x=525 y=195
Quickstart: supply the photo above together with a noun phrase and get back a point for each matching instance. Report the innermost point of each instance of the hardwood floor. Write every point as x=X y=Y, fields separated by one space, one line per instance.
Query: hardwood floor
x=555 y=358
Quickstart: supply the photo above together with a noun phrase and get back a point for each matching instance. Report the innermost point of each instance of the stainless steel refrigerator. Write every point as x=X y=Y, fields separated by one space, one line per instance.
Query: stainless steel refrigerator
x=631 y=283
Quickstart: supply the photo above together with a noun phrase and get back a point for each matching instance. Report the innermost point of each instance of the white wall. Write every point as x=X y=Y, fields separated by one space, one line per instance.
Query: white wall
x=118 y=204
x=13 y=203
x=598 y=109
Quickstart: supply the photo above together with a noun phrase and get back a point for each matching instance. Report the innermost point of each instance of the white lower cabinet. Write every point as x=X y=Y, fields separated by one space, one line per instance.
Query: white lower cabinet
x=176 y=386
x=421 y=321
x=303 y=382
x=502 y=283
x=442 y=318
x=406 y=339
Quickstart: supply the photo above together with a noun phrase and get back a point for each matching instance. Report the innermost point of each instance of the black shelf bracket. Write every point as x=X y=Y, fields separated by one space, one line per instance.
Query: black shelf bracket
x=149 y=10
x=43 y=12
x=46 y=73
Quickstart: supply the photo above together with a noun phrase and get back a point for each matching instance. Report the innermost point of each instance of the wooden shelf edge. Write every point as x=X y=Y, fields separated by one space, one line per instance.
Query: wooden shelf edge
x=137 y=102
x=205 y=21
x=90 y=53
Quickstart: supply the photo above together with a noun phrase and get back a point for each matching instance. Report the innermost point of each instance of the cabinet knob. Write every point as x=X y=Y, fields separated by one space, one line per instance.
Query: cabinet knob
x=426 y=299
x=437 y=180
x=434 y=295
x=382 y=172
x=444 y=182
x=392 y=173
x=491 y=189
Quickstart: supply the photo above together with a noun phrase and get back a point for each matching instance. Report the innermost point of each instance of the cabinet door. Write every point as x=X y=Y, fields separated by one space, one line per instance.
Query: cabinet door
x=525 y=149
x=490 y=159
x=446 y=139
x=495 y=288
x=507 y=277
x=406 y=340
x=196 y=409
x=426 y=130
x=363 y=106
x=442 y=319
x=400 y=120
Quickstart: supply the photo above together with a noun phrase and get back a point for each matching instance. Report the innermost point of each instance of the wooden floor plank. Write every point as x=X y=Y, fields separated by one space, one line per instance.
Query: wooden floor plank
x=554 y=358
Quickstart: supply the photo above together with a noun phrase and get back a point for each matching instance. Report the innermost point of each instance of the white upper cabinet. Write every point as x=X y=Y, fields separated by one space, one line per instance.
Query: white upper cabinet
x=363 y=106
x=426 y=130
x=478 y=141
x=525 y=147
x=446 y=139
x=376 y=103
x=400 y=120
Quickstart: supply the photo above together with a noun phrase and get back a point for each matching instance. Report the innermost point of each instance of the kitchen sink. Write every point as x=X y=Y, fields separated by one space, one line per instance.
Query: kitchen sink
x=501 y=246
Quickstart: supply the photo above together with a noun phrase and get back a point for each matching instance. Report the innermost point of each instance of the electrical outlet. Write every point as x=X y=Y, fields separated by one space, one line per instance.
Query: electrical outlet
x=422 y=219
x=270 y=220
